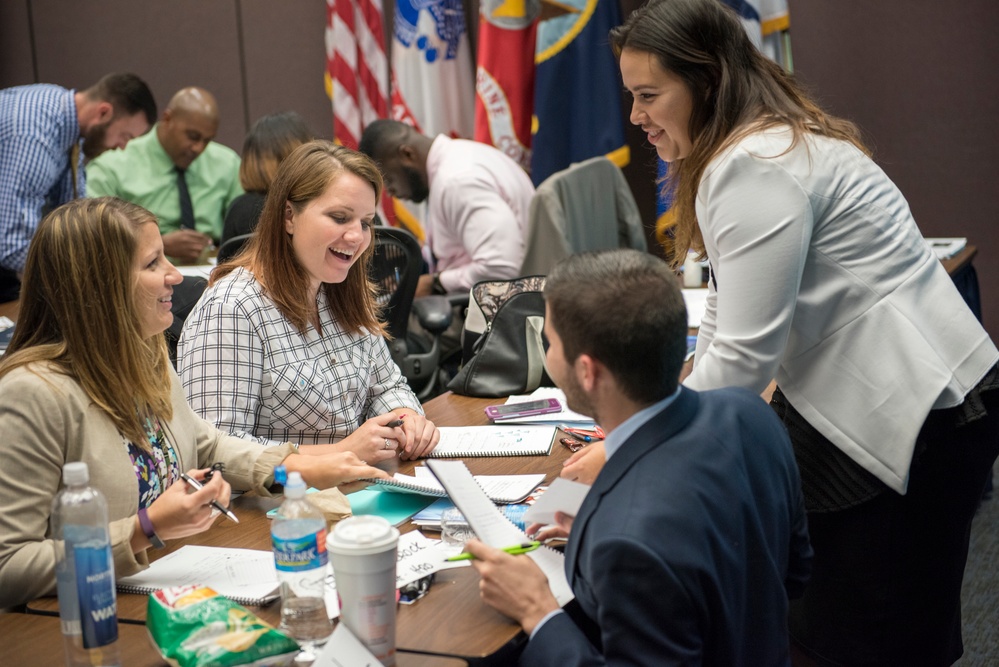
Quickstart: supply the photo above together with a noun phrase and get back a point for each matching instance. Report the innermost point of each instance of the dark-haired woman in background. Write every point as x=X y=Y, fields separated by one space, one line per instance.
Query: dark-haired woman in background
x=271 y=139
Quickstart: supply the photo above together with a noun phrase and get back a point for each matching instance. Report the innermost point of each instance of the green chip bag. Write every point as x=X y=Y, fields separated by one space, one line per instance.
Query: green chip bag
x=194 y=626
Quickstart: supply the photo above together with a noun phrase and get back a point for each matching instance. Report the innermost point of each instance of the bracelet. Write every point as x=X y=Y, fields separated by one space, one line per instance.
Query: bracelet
x=436 y=286
x=148 y=530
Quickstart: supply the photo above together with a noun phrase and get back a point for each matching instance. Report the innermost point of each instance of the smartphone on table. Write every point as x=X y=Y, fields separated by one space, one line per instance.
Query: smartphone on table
x=525 y=409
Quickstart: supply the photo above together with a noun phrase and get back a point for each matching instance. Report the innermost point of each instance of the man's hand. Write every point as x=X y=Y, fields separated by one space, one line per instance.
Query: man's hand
x=512 y=585
x=585 y=465
x=185 y=244
x=425 y=285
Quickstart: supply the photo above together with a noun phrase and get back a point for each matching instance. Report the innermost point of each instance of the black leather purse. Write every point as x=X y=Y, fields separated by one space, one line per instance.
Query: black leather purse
x=503 y=339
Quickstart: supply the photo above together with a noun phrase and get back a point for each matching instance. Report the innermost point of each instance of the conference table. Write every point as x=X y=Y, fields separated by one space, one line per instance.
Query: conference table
x=448 y=626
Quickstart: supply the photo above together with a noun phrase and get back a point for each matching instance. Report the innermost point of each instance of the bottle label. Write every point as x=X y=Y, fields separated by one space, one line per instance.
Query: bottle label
x=300 y=553
x=95 y=586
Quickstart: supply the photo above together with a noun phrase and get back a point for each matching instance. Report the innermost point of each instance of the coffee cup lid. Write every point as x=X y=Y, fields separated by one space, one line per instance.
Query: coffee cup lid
x=362 y=534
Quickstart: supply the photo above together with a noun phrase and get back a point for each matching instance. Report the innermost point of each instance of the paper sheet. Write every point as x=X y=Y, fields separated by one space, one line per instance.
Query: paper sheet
x=563 y=495
x=696 y=301
x=344 y=649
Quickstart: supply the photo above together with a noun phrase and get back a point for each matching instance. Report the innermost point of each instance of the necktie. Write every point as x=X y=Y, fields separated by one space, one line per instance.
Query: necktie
x=74 y=168
x=186 y=207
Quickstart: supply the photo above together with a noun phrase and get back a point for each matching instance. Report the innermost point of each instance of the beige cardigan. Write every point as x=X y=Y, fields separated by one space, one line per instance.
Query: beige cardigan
x=46 y=420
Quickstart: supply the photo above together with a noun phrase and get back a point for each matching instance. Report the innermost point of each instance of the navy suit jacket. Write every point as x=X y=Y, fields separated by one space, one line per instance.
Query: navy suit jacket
x=690 y=542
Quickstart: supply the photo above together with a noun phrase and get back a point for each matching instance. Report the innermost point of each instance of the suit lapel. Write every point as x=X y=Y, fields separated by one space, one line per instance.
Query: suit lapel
x=654 y=432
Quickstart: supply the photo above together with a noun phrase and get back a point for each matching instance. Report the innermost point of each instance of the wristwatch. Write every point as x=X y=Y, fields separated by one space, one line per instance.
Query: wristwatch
x=148 y=530
x=435 y=286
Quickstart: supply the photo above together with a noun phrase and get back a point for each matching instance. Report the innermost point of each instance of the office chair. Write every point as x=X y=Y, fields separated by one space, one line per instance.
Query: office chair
x=232 y=246
x=395 y=269
x=587 y=206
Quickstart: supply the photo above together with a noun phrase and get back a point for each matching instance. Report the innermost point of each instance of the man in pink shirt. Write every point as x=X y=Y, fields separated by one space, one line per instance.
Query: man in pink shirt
x=478 y=202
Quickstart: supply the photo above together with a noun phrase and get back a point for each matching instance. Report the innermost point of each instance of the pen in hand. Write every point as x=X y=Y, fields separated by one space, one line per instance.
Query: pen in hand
x=195 y=484
x=522 y=548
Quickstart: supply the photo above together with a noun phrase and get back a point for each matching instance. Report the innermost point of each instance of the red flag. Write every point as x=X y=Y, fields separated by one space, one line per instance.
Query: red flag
x=504 y=80
x=356 y=67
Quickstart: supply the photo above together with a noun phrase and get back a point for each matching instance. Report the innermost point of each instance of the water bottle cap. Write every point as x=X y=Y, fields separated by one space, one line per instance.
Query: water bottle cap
x=295 y=486
x=75 y=473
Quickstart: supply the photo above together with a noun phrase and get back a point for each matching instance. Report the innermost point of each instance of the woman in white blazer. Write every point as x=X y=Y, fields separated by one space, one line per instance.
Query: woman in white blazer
x=821 y=279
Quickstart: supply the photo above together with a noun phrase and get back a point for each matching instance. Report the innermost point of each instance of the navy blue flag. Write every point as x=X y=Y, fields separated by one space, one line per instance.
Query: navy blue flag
x=577 y=90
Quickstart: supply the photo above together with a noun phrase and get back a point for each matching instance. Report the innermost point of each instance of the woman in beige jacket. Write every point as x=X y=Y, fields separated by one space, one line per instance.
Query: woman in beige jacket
x=86 y=378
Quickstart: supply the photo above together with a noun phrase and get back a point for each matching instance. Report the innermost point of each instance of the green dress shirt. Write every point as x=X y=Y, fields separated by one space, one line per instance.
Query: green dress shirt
x=144 y=174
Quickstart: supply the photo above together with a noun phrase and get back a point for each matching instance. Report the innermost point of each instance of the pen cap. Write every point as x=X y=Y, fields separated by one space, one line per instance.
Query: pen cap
x=75 y=474
x=295 y=486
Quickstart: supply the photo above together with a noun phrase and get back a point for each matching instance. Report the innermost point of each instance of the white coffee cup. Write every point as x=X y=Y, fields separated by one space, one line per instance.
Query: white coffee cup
x=363 y=550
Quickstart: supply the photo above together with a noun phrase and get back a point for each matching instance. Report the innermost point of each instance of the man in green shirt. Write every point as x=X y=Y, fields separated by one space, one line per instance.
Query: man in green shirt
x=177 y=172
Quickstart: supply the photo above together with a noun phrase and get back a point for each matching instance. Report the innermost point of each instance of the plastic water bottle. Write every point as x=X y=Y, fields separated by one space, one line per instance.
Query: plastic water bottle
x=299 y=537
x=88 y=607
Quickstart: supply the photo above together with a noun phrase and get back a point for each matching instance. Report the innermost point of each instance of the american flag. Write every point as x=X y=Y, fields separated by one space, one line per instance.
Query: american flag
x=356 y=66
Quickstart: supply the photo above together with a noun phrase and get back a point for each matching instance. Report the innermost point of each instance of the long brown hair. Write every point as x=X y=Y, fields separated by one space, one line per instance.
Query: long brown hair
x=78 y=313
x=302 y=177
x=736 y=90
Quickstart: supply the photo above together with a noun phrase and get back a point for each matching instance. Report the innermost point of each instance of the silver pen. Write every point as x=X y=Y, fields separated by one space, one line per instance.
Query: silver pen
x=195 y=484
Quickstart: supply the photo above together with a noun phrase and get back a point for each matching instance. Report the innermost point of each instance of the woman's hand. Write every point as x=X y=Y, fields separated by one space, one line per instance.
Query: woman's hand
x=420 y=435
x=341 y=469
x=374 y=441
x=181 y=510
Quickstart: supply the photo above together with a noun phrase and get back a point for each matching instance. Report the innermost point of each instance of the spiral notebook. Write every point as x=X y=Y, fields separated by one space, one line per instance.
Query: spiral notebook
x=503 y=489
x=245 y=576
x=469 y=441
x=495 y=529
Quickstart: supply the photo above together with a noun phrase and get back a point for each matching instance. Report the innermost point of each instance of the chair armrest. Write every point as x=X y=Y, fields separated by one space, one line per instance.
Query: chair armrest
x=457 y=299
x=433 y=313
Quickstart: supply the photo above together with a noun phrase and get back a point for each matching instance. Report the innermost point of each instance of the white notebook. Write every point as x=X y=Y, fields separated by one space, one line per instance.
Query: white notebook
x=502 y=489
x=471 y=441
x=245 y=576
x=495 y=529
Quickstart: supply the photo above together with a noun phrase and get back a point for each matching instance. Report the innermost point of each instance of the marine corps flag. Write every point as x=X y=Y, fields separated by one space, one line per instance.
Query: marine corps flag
x=577 y=98
x=504 y=79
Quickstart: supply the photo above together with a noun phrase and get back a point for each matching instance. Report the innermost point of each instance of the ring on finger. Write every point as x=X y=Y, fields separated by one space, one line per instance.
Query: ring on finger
x=389 y=444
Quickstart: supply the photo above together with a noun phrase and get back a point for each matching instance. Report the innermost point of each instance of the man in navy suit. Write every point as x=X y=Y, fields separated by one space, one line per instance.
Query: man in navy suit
x=693 y=536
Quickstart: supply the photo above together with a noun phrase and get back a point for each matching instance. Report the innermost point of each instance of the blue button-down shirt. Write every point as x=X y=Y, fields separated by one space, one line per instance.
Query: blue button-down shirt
x=38 y=128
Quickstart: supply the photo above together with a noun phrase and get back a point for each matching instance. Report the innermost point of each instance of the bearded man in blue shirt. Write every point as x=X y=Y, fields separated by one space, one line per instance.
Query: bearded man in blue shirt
x=46 y=134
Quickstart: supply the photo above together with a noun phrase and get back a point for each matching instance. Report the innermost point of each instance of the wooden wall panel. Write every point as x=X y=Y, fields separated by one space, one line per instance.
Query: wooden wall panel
x=918 y=78
x=284 y=57
x=169 y=44
x=16 y=59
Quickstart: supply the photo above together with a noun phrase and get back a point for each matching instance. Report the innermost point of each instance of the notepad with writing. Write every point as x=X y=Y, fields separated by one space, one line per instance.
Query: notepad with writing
x=502 y=489
x=470 y=441
x=495 y=529
x=245 y=576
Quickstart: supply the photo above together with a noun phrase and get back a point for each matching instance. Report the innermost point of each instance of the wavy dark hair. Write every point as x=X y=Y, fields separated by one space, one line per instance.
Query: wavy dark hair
x=735 y=88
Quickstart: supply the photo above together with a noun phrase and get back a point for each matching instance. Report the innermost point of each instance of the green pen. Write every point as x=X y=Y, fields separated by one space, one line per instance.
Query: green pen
x=522 y=548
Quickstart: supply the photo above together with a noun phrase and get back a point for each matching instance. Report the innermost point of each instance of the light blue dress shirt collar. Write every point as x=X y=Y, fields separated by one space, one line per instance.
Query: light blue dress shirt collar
x=627 y=428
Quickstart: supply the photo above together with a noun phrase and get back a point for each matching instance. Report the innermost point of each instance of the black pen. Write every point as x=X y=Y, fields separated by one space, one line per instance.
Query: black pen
x=195 y=484
x=395 y=423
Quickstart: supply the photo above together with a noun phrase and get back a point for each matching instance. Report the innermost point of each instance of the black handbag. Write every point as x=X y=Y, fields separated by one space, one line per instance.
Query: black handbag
x=503 y=339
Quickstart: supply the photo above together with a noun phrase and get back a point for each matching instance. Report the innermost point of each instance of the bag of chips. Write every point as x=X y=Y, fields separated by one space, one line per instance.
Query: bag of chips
x=193 y=626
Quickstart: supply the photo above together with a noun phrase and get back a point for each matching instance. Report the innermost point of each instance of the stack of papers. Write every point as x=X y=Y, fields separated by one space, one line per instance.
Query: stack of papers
x=500 y=488
x=945 y=248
